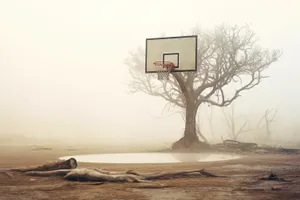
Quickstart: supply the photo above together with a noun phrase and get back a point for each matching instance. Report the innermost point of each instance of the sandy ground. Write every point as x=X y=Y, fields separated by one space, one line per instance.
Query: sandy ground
x=242 y=181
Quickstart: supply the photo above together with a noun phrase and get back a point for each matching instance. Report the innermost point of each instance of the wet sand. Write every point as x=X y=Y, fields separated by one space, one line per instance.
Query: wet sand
x=242 y=181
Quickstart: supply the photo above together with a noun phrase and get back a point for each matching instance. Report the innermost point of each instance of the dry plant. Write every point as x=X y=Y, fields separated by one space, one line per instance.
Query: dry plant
x=267 y=118
x=233 y=131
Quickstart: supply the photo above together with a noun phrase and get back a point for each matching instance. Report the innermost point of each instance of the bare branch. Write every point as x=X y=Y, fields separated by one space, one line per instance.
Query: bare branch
x=267 y=120
x=242 y=128
x=225 y=55
x=272 y=119
x=230 y=119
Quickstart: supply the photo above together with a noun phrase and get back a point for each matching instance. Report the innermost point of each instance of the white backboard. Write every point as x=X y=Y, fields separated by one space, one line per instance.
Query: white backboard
x=181 y=50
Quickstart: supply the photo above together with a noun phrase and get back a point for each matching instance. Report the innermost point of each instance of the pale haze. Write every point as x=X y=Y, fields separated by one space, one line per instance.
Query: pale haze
x=62 y=71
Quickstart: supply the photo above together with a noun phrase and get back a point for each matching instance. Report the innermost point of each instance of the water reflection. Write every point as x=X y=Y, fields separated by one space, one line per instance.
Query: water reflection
x=147 y=158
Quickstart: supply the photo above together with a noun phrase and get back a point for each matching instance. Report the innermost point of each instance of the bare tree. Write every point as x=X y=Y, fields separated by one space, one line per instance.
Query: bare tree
x=233 y=132
x=268 y=119
x=226 y=55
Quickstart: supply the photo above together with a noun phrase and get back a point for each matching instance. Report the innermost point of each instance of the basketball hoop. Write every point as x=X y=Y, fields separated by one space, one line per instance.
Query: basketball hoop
x=163 y=69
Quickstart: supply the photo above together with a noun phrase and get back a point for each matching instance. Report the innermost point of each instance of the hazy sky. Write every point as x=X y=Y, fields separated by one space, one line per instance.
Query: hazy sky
x=62 y=70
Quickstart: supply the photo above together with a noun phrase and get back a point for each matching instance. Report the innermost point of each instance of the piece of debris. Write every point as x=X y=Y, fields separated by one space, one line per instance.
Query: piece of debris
x=60 y=164
x=289 y=151
x=272 y=177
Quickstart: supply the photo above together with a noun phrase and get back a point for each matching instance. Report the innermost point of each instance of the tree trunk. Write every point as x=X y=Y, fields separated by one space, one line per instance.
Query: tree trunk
x=190 y=141
x=190 y=123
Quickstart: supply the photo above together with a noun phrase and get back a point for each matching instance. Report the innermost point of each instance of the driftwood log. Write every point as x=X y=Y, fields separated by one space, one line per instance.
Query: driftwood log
x=235 y=145
x=84 y=174
x=60 y=164
x=96 y=175
x=69 y=171
x=240 y=145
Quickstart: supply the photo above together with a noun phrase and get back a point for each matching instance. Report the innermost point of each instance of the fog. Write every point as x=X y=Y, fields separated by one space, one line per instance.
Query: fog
x=62 y=71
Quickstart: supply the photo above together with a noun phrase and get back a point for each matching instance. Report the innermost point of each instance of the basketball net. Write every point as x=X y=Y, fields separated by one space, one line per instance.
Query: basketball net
x=163 y=69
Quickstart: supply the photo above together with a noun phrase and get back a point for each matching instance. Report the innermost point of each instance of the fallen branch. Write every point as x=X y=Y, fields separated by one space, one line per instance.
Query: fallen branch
x=60 y=164
x=233 y=144
x=59 y=172
x=94 y=175
x=67 y=169
x=170 y=175
x=128 y=176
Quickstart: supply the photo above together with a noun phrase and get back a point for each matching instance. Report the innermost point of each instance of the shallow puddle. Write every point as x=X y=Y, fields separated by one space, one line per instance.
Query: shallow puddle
x=147 y=158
